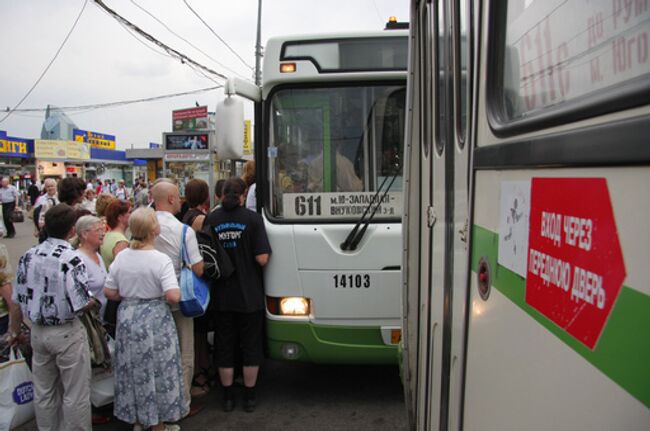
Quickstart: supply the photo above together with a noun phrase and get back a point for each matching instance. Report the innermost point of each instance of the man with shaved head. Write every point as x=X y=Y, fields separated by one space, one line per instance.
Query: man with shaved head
x=167 y=201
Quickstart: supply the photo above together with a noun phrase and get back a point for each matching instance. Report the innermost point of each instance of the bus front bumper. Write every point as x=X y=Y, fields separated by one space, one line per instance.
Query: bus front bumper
x=325 y=344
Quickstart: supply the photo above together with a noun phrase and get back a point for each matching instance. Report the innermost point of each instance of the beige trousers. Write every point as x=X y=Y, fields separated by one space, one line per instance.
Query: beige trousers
x=61 y=376
x=185 y=329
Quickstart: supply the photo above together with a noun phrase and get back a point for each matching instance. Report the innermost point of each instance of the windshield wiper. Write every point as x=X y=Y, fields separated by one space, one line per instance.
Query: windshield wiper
x=355 y=236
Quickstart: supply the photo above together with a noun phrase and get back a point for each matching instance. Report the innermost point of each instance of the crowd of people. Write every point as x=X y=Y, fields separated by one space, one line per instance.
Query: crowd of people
x=117 y=255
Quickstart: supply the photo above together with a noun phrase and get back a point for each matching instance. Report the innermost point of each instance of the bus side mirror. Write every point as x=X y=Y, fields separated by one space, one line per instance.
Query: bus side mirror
x=229 y=129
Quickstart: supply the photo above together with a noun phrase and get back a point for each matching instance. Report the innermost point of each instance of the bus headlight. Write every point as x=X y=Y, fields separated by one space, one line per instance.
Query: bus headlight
x=294 y=306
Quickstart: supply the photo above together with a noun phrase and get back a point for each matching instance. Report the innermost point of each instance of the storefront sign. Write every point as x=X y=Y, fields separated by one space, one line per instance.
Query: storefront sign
x=190 y=119
x=248 y=144
x=14 y=147
x=186 y=141
x=187 y=157
x=153 y=145
x=97 y=140
x=575 y=263
x=57 y=149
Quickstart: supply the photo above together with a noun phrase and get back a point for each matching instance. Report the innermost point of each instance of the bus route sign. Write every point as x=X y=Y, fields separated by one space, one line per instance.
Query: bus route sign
x=340 y=205
x=575 y=263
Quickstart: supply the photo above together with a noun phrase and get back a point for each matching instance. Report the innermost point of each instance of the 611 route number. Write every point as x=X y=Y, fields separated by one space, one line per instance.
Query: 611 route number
x=308 y=206
x=351 y=281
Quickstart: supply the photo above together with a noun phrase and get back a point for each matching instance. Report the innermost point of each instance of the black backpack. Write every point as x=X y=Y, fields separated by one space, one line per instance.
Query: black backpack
x=216 y=262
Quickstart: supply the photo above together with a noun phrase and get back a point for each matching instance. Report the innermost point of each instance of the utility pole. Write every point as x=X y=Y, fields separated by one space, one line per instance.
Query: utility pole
x=258 y=46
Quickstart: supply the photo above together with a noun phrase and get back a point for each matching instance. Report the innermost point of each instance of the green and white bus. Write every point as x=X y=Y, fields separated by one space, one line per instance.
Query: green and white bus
x=330 y=120
x=526 y=294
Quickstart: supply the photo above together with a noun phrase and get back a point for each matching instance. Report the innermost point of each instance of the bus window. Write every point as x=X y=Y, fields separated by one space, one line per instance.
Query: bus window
x=462 y=55
x=572 y=56
x=335 y=143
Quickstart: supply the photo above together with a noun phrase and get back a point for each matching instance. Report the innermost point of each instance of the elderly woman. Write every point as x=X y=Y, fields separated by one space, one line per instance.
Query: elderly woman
x=117 y=218
x=90 y=233
x=148 y=374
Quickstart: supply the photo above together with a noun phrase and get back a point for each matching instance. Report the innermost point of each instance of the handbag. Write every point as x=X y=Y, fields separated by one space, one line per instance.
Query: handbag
x=17 y=216
x=217 y=263
x=16 y=392
x=100 y=355
x=195 y=291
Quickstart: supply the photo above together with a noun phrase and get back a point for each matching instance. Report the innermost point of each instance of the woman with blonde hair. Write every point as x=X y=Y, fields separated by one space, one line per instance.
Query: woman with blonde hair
x=102 y=202
x=249 y=179
x=148 y=373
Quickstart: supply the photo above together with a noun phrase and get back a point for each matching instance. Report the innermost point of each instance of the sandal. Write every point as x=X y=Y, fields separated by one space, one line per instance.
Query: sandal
x=202 y=379
x=199 y=389
x=100 y=419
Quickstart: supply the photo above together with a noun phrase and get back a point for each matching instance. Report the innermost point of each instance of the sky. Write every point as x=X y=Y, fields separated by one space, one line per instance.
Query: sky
x=103 y=62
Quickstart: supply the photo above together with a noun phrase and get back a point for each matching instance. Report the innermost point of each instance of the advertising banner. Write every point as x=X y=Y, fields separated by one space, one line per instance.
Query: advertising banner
x=50 y=149
x=187 y=157
x=97 y=140
x=190 y=119
x=248 y=144
x=57 y=149
x=14 y=147
x=187 y=141
x=77 y=150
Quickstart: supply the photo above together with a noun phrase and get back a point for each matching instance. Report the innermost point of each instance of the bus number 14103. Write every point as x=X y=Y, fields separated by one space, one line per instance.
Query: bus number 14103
x=351 y=281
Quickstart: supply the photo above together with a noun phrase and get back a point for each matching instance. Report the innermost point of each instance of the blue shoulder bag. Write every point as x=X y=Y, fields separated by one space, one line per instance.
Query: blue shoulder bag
x=195 y=291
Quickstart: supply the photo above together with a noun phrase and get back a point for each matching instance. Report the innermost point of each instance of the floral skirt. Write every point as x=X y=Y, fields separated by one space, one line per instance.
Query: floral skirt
x=148 y=373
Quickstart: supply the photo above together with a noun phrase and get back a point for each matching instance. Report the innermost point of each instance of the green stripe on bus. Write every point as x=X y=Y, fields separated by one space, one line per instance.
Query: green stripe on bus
x=330 y=344
x=623 y=351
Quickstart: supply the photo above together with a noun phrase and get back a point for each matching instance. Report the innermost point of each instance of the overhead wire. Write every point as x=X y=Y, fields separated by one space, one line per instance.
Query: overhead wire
x=184 y=39
x=381 y=20
x=164 y=53
x=217 y=36
x=171 y=51
x=122 y=102
x=56 y=54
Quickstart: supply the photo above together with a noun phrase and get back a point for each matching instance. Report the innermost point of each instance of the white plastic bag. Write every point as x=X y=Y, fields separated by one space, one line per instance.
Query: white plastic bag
x=16 y=392
x=3 y=229
x=102 y=382
x=102 y=387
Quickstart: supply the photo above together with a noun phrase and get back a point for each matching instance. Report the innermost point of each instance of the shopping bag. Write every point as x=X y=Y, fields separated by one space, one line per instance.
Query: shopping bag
x=17 y=216
x=195 y=291
x=102 y=387
x=16 y=392
x=3 y=229
x=97 y=339
x=102 y=381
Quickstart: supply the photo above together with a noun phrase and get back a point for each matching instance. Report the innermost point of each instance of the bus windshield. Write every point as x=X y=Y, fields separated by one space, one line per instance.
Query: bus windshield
x=330 y=150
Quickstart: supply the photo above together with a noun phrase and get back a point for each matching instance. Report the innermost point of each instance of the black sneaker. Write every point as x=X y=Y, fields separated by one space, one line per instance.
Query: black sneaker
x=249 y=399
x=228 y=403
